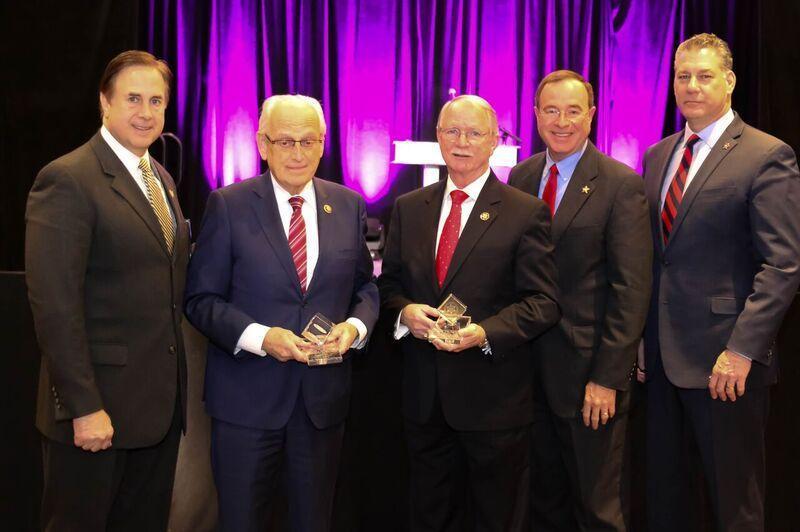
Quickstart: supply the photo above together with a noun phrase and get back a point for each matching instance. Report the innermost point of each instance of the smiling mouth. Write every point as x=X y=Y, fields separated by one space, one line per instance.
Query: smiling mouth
x=561 y=135
x=461 y=155
x=143 y=129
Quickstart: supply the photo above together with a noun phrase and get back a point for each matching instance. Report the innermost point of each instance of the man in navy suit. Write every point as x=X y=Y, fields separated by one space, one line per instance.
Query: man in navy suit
x=273 y=251
x=723 y=201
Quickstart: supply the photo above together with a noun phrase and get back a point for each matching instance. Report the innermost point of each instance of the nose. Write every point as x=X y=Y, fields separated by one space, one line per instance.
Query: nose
x=146 y=110
x=297 y=152
x=562 y=120
x=692 y=83
x=462 y=139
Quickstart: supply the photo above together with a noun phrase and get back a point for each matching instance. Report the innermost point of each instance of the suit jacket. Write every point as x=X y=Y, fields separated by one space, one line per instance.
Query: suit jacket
x=603 y=253
x=106 y=298
x=503 y=270
x=242 y=273
x=731 y=266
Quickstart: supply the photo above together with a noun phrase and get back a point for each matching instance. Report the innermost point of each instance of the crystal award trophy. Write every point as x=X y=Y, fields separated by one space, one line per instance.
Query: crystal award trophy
x=451 y=320
x=320 y=352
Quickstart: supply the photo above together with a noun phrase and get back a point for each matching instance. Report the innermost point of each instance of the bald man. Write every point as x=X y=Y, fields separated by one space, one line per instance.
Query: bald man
x=468 y=406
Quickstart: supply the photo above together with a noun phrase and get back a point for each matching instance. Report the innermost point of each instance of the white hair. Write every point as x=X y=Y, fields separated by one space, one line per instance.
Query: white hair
x=477 y=101
x=277 y=99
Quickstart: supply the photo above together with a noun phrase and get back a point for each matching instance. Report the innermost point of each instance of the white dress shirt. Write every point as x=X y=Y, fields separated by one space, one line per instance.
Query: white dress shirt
x=253 y=336
x=131 y=163
x=708 y=138
x=472 y=190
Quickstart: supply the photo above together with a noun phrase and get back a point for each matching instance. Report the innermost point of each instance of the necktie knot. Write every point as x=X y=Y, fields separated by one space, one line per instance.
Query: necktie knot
x=458 y=197
x=553 y=172
x=296 y=202
x=144 y=165
x=692 y=141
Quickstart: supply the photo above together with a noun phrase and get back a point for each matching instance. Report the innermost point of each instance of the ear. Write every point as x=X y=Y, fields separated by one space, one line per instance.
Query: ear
x=730 y=80
x=261 y=142
x=104 y=104
x=590 y=114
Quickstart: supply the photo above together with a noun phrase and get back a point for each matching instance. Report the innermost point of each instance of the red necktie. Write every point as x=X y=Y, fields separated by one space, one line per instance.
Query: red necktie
x=449 y=238
x=675 y=193
x=549 y=194
x=297 y=239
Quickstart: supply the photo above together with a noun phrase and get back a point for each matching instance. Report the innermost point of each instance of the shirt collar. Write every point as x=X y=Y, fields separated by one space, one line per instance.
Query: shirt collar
x=129 y=159
x=566 y=166
x=712 y=132
x=282 y=196
x=472 y=190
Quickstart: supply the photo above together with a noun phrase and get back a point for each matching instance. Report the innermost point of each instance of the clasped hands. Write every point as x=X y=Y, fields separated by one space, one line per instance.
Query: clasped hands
x=283 y=345
x=420 y=319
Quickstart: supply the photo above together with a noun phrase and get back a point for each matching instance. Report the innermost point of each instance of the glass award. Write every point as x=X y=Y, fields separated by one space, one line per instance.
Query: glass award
x=320 y=351
x=451 y=319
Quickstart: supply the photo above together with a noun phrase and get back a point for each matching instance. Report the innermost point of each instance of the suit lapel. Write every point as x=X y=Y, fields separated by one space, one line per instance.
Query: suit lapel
x=578 y=191
x=724 y=145
x=429 y=222
x=653 y=187
x=488 y=203
x=266 y=209
x=325 y=229
x=123 y=184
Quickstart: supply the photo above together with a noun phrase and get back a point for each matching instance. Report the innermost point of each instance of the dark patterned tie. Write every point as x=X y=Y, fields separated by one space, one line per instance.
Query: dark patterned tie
x=297 y=240
x=449 y=238
x=675 y=193
x=156 y=199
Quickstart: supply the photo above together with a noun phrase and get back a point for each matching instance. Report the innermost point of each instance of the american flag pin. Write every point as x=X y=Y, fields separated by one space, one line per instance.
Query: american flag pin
x=327 y=208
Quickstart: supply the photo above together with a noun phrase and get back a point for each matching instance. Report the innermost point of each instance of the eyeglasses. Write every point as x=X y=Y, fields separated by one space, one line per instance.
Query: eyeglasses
x=288 y=144
x=453 y=134
x=552 y=114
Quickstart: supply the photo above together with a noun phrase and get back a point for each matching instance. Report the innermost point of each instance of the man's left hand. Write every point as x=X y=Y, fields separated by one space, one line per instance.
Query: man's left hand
x=342 y=336
x=599 y=404
x=472 y=335
x=728 y=376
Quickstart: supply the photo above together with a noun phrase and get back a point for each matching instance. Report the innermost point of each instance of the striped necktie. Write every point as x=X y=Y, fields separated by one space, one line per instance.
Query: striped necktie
x=156 y=199
x=297 y=240
x=675 y=193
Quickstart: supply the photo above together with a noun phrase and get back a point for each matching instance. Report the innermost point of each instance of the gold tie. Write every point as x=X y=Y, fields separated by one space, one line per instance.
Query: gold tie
x=156 y=200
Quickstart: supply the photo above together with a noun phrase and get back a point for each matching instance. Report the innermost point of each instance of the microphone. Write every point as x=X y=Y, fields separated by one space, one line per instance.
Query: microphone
x=451 y=93
x=506 y=134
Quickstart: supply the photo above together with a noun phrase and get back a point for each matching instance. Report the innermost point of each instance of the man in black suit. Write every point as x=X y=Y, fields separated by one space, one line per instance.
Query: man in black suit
x=106 y=251
x=582 y=367
x=723 y=202
x=468 y=406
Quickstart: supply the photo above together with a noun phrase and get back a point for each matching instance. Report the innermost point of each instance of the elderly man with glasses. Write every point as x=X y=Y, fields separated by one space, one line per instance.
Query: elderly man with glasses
x=273 y=252
x=468 y=405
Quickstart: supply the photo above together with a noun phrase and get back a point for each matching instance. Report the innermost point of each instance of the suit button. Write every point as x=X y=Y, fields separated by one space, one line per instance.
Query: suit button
x=174 y=306
x=58 y=406
x=665 y=262
x=53 y=388
x=664 y=302
x=172 y=350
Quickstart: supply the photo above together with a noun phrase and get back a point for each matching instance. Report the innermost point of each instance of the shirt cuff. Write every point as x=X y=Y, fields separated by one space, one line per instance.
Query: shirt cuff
x=252 y=339
x=400 y=330
x=362 y=332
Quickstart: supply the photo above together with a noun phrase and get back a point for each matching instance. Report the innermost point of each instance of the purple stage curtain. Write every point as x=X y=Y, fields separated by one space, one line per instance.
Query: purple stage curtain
x=383 y=68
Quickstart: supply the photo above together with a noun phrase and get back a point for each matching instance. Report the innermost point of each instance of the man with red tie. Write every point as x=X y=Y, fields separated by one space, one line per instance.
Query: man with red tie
x=468 y=406
x=273 y=251
x=723 y=209
x=582 y=367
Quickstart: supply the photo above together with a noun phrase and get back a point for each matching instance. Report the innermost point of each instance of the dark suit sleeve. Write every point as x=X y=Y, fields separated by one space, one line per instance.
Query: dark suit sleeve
x=364 y=304
x=775 y=227
x=535 y=284
x=629 y=252
x=390 y=283
x=58 y=240
x=208 y=280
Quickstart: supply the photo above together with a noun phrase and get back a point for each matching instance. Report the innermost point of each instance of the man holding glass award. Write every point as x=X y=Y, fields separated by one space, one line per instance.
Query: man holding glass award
x=281 y=283
x=468 y=271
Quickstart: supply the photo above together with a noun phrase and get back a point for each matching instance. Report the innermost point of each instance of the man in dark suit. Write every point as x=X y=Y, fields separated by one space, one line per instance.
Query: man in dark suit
x=273 y=251
x=467 y=406
x=582 y=367
x=106 y=251
x=723 y=201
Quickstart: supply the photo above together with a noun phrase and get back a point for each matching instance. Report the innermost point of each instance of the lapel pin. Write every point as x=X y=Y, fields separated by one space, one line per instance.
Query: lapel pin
x=585 y=190
x=171 y=193
x=327 y=208
x=484 y=216
x=726 y=146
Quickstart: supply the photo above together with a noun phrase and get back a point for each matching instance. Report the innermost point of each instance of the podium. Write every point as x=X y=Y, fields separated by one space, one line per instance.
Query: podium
x=428 y=155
